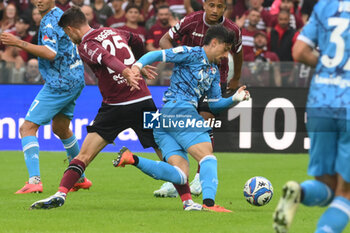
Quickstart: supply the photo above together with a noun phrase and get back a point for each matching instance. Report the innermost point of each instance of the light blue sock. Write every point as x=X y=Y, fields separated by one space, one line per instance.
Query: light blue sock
x=162 y=171
x=30 y=147
x=72 y=147
x=208 y=175
x=336 y=217
x=316 y=193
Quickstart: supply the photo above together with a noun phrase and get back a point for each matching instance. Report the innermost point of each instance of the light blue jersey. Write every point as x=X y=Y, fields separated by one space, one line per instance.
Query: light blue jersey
x=193 y=75
x=329 y=29
x=66 y=72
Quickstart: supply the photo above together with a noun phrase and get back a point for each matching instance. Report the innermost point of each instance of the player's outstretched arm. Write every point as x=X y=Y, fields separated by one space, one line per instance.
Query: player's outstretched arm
x=149 y=58
x=37 y=50
x=218 y=105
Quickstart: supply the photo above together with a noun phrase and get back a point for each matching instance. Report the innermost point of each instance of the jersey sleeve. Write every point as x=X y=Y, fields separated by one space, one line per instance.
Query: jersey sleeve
x=181 y=28
x=181 y=54
x=50 y=36
x=93 y=53
x=237 y=47
x=309 y=33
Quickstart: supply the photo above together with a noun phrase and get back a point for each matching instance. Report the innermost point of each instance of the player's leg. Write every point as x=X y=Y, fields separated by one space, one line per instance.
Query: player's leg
x=92 y=145
x=337 y=215
x=60 y=126
x=30 y=147
x=318 y=192
x=40 y=113
x=201 y=150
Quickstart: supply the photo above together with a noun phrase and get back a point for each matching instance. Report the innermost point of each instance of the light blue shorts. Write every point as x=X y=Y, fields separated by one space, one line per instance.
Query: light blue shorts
x=175 y=140
x=330 y=147
x=47 y=104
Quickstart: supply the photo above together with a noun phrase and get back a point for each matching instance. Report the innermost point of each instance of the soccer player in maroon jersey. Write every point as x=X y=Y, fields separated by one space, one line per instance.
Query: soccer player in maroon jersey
x=190 y=31
x=107 y=52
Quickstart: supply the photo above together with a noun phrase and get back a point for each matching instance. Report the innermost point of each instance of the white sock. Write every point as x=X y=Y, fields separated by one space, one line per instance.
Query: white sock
x=34 y=180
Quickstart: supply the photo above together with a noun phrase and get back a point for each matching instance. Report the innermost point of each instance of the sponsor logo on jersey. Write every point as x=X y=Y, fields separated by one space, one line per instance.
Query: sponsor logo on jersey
x=197 y=34
x=47 y=39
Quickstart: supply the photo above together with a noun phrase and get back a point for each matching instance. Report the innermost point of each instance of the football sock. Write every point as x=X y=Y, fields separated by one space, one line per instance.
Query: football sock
x=30 y=147
x=34 y=180
x=336 y=217
x=72 y=148
x=72 y=174
x=184 y=191
x=209 y=177
x=316 y=193
x=198 y=169
x=161 y=171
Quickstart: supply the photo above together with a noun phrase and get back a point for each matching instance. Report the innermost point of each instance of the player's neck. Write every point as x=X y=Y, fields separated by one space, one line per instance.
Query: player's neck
x=84 y=29
x=43 y=13
x=207 y=52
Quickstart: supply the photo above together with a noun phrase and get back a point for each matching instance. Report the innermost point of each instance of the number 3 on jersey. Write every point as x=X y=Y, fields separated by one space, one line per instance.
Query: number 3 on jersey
x=118 y=44
x=341 y=24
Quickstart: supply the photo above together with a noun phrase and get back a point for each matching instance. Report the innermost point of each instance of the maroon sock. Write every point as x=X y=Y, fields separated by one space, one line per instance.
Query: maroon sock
x=184 y=191
x=74 y=171
x=199 y=168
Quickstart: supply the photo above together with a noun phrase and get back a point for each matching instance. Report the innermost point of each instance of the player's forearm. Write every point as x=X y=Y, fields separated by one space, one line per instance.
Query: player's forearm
x=166 y=41
x=238 y=61
x=37 y=50
x=149 y=58
x=113 y=63
x=217 y=106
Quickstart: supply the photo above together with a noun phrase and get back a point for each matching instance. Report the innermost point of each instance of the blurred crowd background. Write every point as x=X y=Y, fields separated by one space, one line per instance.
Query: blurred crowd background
x=269 y=30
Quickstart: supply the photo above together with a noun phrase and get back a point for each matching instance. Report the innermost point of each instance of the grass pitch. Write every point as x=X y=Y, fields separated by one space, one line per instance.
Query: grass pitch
x=121 y=199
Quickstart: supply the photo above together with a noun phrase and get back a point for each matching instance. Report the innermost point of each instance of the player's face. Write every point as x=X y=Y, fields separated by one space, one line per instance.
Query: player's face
x=73 y=34
x=45 y=6
x=214 y=10
x=220 y=51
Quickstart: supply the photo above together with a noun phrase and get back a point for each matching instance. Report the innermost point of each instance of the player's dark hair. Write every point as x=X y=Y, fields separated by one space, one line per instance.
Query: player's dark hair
x=131 y=6
x=220 y=33
x=73 y=17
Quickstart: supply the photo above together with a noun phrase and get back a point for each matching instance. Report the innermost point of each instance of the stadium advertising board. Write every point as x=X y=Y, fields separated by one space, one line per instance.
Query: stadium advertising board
x=272 y=121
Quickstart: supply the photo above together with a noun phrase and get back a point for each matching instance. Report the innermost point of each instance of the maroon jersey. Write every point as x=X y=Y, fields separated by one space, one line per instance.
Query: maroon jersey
x=191 y=31
x=107 y=52
x=155 y=33
x=113 y=22
x=140 y=31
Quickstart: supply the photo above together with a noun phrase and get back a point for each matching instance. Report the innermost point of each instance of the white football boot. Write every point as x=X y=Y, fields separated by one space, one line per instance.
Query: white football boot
x=287 y=207
x=166 y=190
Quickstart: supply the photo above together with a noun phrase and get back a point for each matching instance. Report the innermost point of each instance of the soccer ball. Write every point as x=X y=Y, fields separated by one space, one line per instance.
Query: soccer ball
x=258 y=191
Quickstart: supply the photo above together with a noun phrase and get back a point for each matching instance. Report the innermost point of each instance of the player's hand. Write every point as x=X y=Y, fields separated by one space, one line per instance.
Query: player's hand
x=241 y=94
x=132 y=79
x=149 y=71
x=9 y=39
